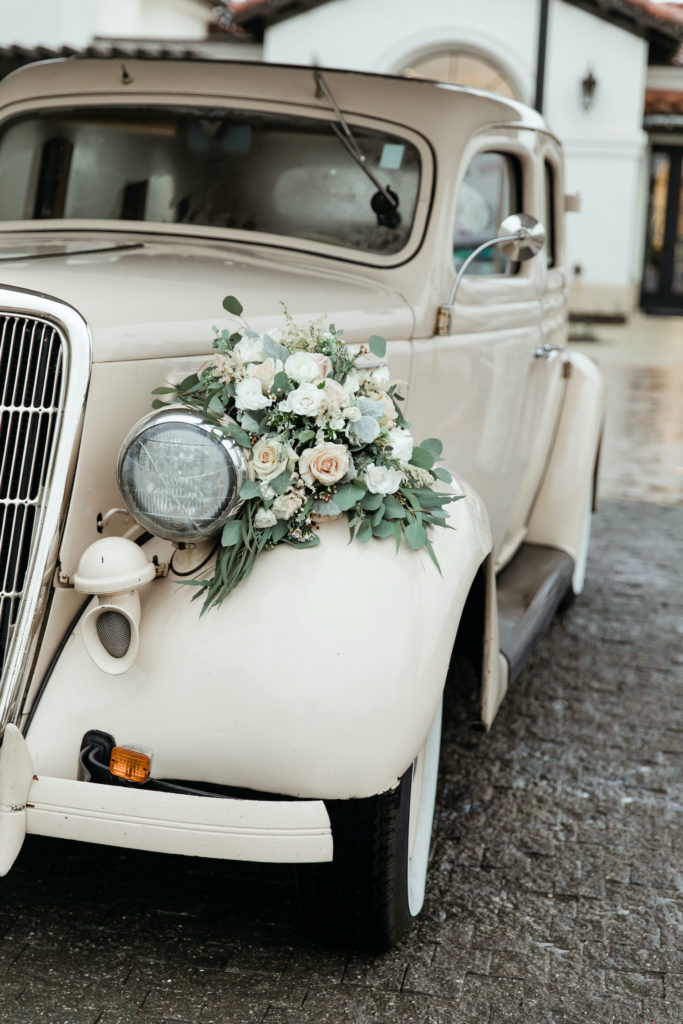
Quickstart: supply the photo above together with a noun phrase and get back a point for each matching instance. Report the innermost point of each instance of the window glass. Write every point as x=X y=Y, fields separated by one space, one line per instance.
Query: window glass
x=491 y=189
x=247 y=170
x=549 y=222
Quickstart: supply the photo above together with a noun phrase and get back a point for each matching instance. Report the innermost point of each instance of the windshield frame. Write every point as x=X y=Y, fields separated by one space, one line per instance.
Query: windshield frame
x=423 y=203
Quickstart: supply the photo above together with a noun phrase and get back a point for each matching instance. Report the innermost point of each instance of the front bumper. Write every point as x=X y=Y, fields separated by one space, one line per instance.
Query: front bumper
x=277 y=831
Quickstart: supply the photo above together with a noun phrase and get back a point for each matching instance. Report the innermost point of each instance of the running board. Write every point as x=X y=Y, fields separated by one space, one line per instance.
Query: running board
x=530 y=589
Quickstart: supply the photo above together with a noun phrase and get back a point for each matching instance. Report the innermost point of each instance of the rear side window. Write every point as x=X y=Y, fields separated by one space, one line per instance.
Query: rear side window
x=490 y=190
x=549 y=223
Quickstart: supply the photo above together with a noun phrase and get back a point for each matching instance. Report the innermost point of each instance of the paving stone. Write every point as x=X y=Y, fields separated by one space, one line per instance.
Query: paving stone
x=556 y=873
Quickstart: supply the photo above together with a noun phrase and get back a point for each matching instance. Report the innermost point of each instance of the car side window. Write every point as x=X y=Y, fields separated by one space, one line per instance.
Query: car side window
x=490 y=190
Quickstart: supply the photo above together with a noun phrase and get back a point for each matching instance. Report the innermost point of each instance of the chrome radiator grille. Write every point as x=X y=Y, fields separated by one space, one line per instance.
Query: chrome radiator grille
x=31 y=392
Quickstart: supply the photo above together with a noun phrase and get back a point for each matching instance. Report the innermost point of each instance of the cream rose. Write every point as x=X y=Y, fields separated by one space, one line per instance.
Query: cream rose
x=323 y=362
x=265 y=372
x=327 y=463
x=389 y=415
x=269 y=458
x=249 y=395
x=302 y=367
x=304 y=400
x=382 y=480
x=401 y=444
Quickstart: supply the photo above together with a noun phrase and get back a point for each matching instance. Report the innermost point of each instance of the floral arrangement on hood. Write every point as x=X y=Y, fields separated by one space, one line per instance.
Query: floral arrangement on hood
x=325 y=434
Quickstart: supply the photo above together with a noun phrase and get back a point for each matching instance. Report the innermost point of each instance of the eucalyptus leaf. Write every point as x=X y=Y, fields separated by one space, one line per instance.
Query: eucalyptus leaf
x=305 y=435
x=348 y=495
x=239 y=435
x=274 y=350
x=326 y=508
x=442 y=474
x=383 y=529
x=164 y=391
x=232 y=533
x=416 y=535
x=158 y=404
x=233 y=305
x=363 y=431
x=281 y=483
x=371 y=501
x=422 y=457
x=250 y=489
x=310 y=542
x=377 y=346
x=393 y=509
x=433 y=446
x=281 y=383
x=364 y=531
x=215 y=405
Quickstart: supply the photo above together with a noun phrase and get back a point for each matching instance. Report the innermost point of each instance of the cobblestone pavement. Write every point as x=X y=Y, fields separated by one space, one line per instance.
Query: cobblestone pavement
x=555 y=886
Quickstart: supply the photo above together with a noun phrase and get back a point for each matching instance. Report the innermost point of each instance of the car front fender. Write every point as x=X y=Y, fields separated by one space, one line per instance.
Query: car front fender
x=318 y=676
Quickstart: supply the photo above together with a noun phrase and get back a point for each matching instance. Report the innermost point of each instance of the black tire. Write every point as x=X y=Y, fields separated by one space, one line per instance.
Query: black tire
x=360 y=898
x=369 y=894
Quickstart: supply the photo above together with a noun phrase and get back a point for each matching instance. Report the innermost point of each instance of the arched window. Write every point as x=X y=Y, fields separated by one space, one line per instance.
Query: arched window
x=461 y=68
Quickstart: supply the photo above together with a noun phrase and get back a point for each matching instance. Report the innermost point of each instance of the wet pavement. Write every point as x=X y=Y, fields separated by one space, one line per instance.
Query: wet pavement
x=556 y=879
x=642 y=363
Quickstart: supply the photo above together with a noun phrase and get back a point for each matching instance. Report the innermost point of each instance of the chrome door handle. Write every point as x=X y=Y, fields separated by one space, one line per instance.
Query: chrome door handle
x=548 y=352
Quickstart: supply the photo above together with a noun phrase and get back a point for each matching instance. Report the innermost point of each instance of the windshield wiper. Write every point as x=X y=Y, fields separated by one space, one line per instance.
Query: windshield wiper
x=385 y=202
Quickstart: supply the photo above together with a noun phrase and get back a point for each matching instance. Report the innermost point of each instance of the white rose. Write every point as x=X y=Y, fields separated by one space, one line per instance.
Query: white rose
x=265 y=372
x=327 y=463
x=269 y=458
x=304 y=400
x=249 y=395
x=302 y=367
x=401 y=444
x=285 y=505
x=381 y=480
x=250 y=349
x=264 y=518
x=352 y=413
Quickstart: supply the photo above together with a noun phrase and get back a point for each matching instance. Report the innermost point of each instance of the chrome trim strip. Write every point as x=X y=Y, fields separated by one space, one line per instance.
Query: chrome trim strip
x=77 y=351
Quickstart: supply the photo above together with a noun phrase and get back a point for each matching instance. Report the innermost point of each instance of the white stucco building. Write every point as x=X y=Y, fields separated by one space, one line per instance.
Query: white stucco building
x=501 y=45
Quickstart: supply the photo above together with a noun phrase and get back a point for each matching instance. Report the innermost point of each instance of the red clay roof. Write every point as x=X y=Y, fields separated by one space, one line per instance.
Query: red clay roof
x=664 y=101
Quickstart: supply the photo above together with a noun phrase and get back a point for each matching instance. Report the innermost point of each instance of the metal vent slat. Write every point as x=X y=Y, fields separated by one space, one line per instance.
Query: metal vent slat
x=31 y=368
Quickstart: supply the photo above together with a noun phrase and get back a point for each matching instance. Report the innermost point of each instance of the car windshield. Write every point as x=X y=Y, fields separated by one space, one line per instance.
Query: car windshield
x=243 y=170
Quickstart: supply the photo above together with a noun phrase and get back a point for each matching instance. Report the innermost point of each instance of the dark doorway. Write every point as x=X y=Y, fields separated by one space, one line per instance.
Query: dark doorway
x=663 y=271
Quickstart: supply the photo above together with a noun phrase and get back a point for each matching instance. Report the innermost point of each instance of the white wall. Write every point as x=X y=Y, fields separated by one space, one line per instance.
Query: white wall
x=605 y=147
x=57 y=23
x=386 y=35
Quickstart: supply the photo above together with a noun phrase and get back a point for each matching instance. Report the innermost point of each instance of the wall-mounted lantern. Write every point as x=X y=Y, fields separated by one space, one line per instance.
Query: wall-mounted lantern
x=589 y=84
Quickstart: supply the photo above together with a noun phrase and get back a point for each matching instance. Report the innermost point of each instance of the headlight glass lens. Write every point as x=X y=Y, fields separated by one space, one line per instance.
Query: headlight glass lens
x=180 y=479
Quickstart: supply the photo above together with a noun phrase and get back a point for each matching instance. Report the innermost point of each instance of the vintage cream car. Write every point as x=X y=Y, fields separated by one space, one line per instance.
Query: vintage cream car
x=300 y=721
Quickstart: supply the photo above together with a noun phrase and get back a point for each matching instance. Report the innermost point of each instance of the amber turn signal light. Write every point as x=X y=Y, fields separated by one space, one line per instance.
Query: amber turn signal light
x=131 y=765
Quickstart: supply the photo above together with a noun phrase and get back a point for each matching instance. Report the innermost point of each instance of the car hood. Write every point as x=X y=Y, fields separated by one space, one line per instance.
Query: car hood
x=145 y=297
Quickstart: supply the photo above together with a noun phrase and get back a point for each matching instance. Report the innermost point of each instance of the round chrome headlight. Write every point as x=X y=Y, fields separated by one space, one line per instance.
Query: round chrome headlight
x=179 y=477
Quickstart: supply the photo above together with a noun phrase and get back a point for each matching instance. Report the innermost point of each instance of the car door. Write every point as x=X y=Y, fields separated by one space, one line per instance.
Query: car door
x=483 y=387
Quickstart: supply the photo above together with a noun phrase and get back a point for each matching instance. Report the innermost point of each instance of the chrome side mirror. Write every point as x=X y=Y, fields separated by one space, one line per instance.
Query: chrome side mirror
x=520 y=236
